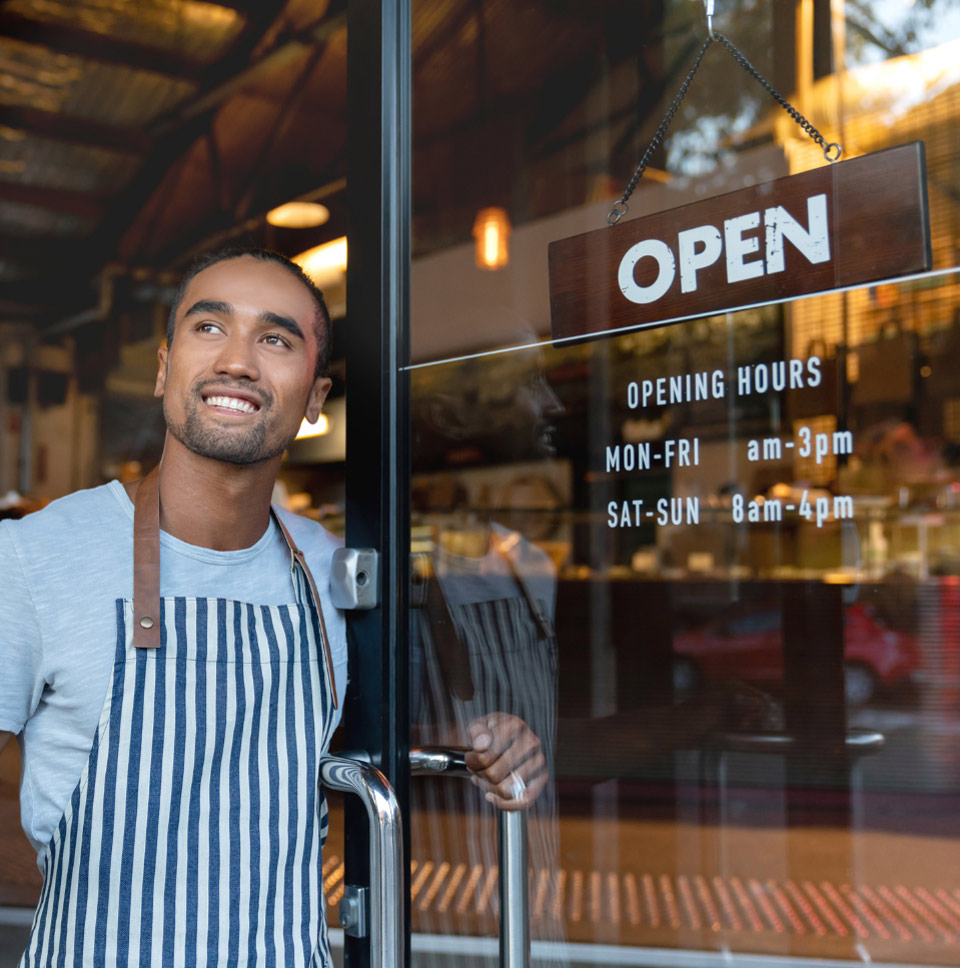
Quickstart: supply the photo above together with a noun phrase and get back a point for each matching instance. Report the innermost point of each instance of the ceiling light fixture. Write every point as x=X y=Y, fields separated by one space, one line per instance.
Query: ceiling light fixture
x=492 y=230
x=299 y=215
x=325 y=264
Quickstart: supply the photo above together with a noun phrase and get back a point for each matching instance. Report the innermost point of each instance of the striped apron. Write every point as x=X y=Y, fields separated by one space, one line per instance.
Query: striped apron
x=193 y=837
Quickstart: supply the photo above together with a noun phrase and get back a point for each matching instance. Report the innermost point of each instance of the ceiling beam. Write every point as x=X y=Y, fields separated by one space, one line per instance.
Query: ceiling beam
x=177 y=131
x=76 y=131
x=236 y=81
x=69 y=39
x=67 y=201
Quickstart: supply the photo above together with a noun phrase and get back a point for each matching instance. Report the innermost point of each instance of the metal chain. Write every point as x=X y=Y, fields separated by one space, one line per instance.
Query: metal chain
x=620 y=207
x=782 y=101
x=831 y=150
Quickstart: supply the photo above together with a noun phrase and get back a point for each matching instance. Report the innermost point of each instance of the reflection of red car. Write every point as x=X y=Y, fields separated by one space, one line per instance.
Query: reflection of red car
x=749 y=647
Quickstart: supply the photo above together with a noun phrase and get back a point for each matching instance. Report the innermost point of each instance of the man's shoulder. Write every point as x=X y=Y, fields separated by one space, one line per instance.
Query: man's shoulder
x=313 y=539
x=68 y=520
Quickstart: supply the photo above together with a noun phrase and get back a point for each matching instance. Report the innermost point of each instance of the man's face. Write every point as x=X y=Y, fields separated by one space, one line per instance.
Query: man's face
x=238 y=378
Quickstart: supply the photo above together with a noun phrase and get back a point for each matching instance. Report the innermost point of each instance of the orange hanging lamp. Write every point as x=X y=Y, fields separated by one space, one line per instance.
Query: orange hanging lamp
x=491 y=229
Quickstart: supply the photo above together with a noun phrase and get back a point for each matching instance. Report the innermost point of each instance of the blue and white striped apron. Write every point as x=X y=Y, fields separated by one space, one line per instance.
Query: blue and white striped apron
x=194 y=835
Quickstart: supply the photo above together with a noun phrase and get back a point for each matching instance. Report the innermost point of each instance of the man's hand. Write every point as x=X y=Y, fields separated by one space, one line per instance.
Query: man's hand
x=506 y=761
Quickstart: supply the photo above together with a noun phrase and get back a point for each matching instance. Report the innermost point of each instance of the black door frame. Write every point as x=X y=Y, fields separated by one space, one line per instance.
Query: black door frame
x=376 y=711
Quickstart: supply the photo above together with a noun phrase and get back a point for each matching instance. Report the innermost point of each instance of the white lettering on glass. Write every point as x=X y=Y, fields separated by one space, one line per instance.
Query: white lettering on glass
x=685 y=388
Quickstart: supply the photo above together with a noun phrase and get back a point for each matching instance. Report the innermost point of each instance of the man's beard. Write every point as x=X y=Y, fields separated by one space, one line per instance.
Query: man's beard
x=249 y=446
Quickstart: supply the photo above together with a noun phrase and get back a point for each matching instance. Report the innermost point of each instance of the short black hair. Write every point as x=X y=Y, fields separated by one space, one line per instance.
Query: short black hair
x=321 y=324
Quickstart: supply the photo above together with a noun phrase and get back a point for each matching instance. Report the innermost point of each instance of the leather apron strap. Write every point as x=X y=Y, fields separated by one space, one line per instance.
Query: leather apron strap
x=146 y=563
x=146 y=573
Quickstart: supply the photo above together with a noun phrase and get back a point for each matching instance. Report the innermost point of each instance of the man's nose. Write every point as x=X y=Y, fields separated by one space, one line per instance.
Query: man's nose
x=552 y=406
x=237 y=359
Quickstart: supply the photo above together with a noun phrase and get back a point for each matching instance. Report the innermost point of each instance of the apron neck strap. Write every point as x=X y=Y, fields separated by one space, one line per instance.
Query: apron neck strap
x=297 y=557
x=146 y=562
x=146 y=572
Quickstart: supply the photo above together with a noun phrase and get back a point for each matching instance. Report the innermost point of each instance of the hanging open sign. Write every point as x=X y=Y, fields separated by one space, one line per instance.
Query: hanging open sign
x=854 y=222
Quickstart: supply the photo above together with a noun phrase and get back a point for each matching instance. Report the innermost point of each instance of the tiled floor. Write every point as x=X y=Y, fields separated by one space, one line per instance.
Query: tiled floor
x=814 y=892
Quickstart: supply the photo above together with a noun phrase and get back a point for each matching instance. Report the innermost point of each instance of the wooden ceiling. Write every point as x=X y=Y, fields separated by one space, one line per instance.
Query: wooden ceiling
x=134 y=133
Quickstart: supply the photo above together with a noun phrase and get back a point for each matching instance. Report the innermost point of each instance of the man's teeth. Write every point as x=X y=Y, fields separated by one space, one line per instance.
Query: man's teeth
x=232 y=403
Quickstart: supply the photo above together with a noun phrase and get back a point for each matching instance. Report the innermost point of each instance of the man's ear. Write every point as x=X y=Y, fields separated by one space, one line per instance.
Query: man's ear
x=318 y=393
x=161 y=370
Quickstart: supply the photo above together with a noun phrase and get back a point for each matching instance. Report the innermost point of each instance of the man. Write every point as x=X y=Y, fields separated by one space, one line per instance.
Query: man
x=173 y=672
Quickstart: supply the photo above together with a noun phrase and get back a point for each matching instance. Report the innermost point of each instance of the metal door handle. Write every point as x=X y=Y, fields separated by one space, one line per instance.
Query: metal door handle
x=511 y=852
x=386 y=915
x=857 y=742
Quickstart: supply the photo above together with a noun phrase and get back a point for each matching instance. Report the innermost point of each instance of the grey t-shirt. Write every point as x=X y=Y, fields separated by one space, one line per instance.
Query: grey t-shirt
x=61 y=571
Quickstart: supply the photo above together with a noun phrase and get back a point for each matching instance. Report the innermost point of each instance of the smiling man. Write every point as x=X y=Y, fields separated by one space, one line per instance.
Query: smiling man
x=173 y=666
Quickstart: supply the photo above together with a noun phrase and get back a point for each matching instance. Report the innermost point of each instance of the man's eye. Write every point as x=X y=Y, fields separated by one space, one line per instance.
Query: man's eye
x=207 y=328
x=275 y=340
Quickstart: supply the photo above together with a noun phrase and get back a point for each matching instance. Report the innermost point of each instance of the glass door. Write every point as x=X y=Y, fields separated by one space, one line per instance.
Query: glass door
x=729 y=617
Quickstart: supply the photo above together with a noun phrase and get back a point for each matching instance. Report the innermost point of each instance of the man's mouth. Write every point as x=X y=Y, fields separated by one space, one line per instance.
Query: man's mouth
x=232 y=404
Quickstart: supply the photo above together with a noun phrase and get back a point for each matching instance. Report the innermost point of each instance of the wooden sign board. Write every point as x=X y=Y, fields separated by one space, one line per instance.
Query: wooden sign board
x=846 y=224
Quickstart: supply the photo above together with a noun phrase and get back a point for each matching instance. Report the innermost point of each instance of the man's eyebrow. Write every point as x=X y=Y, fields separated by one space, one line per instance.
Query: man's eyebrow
x=284 y=322
x=265 y=316
x=209 y=306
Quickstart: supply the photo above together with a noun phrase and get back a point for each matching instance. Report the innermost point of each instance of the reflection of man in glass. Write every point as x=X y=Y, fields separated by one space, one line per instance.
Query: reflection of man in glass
x=500 y=409
x=485 y=625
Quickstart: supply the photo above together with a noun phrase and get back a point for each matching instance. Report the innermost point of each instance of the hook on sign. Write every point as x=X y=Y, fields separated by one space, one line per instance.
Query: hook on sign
x=709 y=5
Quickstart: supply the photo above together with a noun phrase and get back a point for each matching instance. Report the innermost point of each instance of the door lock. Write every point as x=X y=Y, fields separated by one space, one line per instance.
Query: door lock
x=353 y=911
x=354 y=580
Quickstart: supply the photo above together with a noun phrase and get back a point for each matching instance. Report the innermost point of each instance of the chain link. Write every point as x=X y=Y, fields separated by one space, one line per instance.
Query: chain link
x=818 y=138
x=615 y=213
x=831 y=150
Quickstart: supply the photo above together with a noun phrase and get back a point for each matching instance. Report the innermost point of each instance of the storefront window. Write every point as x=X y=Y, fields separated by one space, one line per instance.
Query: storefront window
x=741 y=527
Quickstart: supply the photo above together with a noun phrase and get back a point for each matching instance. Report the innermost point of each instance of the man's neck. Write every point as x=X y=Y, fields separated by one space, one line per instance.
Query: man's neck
x=211 y=504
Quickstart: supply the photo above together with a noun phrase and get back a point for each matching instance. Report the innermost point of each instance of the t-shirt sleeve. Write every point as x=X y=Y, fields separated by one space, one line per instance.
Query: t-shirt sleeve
x=21 y=650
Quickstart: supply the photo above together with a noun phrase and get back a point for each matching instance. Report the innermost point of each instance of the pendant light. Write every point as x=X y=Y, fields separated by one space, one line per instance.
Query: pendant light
x=299 y=215
x=491 y=228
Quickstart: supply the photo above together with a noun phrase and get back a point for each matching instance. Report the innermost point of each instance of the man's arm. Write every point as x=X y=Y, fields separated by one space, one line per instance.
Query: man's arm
x=21 y=649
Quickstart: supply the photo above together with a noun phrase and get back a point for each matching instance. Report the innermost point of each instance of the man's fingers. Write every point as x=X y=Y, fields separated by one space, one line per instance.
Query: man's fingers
x=478 y=762
x=480 y=735
x=496 y=765
x=522 y=802
x=507 y=761
x=516 y=781
x=494 y=731
x=507 y=784
x=508 y=789
x=517 y=757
